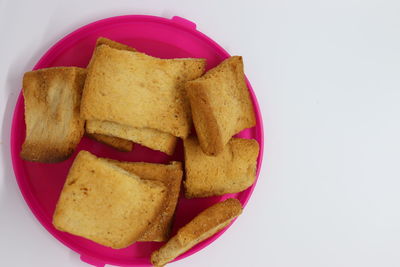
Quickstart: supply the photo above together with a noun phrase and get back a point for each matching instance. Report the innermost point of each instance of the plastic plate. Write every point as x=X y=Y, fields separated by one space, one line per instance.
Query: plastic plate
x=41 y=184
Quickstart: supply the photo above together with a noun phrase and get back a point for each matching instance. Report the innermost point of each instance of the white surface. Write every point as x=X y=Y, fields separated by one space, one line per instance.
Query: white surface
x=326 y=74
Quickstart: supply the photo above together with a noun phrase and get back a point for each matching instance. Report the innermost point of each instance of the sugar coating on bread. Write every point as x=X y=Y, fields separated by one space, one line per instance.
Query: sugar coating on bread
x=52 y=99
x=134 y=89
x=203 y=226
x=221 y=105
x=117 y=143
x=106 y=204
x=169 y=174
x=148 y=137
x=231 y=171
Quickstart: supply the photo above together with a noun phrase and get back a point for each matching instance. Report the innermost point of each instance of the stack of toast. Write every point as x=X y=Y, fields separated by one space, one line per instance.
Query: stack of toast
x=125 y=97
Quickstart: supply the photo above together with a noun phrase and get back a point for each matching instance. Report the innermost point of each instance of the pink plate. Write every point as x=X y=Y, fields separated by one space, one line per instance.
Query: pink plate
x=41 y=184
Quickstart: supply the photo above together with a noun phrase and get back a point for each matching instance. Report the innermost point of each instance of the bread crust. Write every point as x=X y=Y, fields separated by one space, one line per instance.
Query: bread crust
x=134 y=89
x=114 y=44
x=231 y=171
x=147 y=137
x=203 y=226
x=117 y=143
x=52 y=100
x=221 y=105
x=169 y=174
x=115 y=134
x=106 y=204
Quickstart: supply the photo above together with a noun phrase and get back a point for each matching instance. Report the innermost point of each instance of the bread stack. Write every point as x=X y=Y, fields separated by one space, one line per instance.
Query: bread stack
x=126 y=97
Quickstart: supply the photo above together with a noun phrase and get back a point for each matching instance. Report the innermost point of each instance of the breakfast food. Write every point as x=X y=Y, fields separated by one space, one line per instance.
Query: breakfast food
x=113 y=44
x=203 y=226
x=127 y=97
x=106 y=204
x=151 y=138
x=148 y=137
x=171 y=176
x=221 y=105
x=53 y=125
x=134 y=89
x=117 y=143
x=232 y=171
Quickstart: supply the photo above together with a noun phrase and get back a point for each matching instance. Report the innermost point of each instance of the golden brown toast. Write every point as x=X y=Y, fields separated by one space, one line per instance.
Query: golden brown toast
x=231 y=171
x=203 y=226
x=106 y=204
x=117 y=143
x=221 y=105
x=113 y=44
x=171 y=176
x=52 y=113
x=151 y=138
x=137 y=90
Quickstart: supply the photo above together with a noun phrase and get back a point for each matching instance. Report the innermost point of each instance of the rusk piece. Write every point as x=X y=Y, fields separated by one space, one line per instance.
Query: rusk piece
x=113 y=44
x=231 y=171
x=203 y=226
x=221 y=105
x=171 y=176
x=147 y=137
x=107 y=204
x=117 y=143
x=151 y=138
x=134 y=89
x=52 y=102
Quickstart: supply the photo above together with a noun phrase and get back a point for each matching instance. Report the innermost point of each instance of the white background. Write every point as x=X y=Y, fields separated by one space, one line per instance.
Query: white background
x=327 y=77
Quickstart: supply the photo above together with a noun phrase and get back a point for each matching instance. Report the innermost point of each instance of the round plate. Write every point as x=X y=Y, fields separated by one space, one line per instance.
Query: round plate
x=41 y=184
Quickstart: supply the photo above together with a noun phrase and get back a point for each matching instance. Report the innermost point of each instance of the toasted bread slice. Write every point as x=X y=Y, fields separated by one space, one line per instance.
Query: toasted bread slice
x=231 y=171
x=221 y=105
x=171 y=176
x=117 y=143
x=114 y=44
x=203 y=226
x=53 y=123
x=134 y=89
x=107 y=204
x=151 y=138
